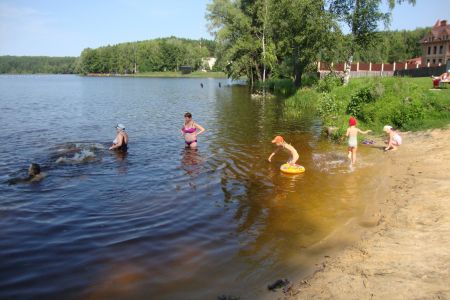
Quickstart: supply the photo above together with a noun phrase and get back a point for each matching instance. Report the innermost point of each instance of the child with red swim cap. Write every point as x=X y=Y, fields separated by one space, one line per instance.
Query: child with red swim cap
x=352 y=134
x=279 y=141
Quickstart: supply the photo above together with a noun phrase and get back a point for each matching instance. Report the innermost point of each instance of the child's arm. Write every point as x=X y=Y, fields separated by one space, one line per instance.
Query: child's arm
x=364 y=132
x=348 y=132
x=273 y=153
x=389 y=146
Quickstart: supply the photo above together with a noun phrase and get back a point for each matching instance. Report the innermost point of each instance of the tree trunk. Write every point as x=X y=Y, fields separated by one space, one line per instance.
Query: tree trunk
x=298 y=71
x=347 y=70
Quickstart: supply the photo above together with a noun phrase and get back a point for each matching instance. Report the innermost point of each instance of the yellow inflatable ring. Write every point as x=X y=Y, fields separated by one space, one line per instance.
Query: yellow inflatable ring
x=295 y=169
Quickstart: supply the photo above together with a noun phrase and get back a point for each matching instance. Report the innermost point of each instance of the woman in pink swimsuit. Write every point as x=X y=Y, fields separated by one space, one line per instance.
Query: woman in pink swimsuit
x=189 y=131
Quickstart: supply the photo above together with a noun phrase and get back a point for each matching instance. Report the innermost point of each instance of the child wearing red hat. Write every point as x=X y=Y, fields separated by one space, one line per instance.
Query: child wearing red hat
x=279 y=141
x=352 y=134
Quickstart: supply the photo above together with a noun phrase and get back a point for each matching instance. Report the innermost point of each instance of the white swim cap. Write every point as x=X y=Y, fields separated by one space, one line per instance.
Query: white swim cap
x=120 y=126
x=387 y=127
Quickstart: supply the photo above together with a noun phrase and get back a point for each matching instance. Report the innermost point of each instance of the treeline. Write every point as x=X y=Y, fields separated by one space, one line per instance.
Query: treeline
x=393 y=46
x=236 y=57
x=163 y=54
x=37 y=64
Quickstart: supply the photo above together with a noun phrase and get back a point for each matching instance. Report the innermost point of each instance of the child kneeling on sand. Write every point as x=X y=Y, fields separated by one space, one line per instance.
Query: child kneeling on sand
x=395 y=139
x=352 y=134
x=279 y=141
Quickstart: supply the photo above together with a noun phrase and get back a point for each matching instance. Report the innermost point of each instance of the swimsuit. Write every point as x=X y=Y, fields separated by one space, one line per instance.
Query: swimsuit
x=352 y=142
x=189 y=130
x=397 y=138
x=189 y=143
x=123 y=147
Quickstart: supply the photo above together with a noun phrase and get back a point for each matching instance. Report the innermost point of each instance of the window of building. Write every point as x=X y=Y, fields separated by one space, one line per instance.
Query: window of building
x=434 y=61
x=440 y=60
x=434 y=49
x=428 y=60
x=429 y=50
x=441 y=49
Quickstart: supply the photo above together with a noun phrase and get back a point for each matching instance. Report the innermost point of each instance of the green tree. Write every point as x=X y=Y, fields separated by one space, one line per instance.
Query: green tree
x=362 y=17
x=302 y=29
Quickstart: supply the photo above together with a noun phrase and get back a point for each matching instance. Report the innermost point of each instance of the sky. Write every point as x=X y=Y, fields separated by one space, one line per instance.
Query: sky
x=65 y=28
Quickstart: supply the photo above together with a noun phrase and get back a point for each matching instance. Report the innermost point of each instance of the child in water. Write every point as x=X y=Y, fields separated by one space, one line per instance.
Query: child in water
x=34 y=175
x=352 y=134
x=395 y=139
x=279 y=141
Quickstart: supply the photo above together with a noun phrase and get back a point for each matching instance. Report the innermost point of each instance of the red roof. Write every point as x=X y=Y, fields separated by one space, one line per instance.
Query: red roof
x=437 y=33
x=415 y=60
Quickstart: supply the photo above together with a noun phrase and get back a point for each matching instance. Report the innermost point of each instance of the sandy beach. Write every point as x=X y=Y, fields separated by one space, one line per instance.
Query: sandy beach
x=404 y=249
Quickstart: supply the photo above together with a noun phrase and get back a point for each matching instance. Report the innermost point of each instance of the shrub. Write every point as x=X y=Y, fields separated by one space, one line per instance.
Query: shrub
x=408 y=115
x=358 y=100
x=327 y=107
x=328 y=83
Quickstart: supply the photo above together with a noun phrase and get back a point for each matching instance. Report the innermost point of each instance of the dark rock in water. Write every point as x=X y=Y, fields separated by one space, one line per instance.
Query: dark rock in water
x=278 y=284
x=330 y=130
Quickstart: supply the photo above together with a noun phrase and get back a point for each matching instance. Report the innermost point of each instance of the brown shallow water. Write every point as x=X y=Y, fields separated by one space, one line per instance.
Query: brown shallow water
x=165 y=222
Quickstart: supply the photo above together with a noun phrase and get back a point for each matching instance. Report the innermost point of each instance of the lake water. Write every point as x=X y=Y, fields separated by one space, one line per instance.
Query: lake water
x=163 y=222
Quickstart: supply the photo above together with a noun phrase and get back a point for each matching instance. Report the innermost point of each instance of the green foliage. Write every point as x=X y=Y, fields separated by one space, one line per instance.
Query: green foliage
x=309 y=80
x=393 y=46
x=37 y=64
x=279 y=86
x=328 y=108
x=279 y=38
x=304 y=99
x=409 y=115
x=328 y=83
x=405 y=103
x=165 y=54
x=358 y=101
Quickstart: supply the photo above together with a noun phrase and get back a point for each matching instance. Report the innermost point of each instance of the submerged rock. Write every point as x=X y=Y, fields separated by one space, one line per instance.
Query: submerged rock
x=280 y=283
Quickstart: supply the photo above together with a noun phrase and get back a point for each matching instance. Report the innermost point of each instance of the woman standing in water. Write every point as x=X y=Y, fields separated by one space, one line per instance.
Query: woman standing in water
x=189 y=131
x=120 y=143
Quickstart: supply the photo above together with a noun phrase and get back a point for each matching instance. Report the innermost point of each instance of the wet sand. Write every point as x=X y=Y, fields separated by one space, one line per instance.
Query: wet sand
x=404 y=246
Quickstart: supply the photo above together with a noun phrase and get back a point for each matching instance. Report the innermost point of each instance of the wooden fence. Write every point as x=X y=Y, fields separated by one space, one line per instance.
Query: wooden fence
x=360 y=69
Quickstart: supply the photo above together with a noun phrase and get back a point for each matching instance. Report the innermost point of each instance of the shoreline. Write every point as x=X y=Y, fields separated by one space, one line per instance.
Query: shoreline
x=401 y=249
x=163 y=75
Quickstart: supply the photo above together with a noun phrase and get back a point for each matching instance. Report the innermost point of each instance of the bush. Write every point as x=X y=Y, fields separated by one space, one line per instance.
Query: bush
x=408 y=116
x=309 y=80
x=328 y=108
x=328 y=83
x=279 y=86
x=358 y=101
x=304 y=99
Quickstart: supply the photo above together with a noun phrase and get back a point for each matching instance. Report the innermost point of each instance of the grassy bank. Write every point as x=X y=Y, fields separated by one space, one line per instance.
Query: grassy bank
x=405 y=103
x=169 y=75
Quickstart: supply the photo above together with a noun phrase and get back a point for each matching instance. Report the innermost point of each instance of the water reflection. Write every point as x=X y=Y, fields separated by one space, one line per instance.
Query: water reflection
x=191 y=161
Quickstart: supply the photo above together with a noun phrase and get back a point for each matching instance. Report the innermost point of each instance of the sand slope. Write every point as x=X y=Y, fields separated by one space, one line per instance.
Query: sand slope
x=406 y=255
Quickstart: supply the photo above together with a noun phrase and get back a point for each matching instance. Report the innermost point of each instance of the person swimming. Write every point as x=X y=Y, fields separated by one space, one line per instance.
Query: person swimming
x=189 y=131
x=34 y=175
x=120 y=143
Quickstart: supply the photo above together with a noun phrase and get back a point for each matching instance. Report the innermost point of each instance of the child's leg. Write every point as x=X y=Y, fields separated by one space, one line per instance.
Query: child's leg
x=349 y=153
x=354 y=155
x=292 y=160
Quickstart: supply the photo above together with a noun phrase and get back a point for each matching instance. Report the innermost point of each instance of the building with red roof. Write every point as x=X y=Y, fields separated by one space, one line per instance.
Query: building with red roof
x=436 y=44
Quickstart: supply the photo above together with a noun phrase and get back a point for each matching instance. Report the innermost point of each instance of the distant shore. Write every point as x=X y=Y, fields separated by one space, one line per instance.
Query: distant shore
x=164 y=75
x=403 y=254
